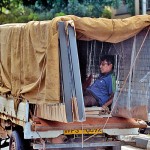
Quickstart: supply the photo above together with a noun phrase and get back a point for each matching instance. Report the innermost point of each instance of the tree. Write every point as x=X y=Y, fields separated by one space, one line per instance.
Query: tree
x=29 y=2
x=9 y=5
x=4 y=4
x=26 y=10
x=131 y=6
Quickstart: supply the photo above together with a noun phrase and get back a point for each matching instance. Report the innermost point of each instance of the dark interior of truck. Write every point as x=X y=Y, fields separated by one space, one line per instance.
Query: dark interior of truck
x=89 y=57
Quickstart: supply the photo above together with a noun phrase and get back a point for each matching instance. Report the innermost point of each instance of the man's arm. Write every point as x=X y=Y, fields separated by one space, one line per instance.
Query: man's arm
x=110 y=100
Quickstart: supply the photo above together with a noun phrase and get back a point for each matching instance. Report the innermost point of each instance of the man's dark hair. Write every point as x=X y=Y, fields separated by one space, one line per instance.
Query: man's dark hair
x=109 y=59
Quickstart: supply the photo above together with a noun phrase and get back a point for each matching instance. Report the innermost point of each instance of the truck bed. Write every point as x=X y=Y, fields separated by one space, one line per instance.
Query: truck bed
x=90 y=123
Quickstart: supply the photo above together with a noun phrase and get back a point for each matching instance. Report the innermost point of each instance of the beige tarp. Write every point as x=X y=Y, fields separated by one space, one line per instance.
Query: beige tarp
x=29 y=65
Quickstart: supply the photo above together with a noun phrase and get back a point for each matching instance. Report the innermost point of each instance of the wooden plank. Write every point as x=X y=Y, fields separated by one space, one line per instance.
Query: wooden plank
x=52 y=112
x=66 y=74
x=92 y=113
x=98 y=116
x=76 y=73
x=94 y=108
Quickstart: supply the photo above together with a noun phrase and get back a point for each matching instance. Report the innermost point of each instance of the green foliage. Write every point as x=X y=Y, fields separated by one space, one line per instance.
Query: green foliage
x=106 y=13
x=18 y=15
x=48 y=9
x=60 y=14
x=131 y=6
x=75 y=8
x=90 y=8
x=44 y=16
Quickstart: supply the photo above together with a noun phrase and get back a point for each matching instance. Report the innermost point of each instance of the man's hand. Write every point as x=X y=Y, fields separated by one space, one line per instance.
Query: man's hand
x=105 y=109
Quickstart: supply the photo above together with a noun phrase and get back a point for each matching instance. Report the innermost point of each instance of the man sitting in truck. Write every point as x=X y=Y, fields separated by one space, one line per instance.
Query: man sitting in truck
x=101 y=92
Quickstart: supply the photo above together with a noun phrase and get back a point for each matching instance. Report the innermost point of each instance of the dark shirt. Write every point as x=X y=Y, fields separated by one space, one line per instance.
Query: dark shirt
x=102 y=88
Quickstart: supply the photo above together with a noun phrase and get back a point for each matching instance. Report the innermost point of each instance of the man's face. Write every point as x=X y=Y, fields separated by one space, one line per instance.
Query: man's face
x=105 y=67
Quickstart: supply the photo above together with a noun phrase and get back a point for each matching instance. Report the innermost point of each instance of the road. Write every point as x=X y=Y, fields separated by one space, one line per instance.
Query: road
x=128 y=147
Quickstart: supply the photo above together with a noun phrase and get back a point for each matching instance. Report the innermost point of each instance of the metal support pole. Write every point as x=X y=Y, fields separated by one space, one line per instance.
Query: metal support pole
x=143 y=7
x=137 y=7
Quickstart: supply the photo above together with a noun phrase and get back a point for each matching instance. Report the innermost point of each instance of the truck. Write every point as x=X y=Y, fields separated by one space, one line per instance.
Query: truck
x=46 y=64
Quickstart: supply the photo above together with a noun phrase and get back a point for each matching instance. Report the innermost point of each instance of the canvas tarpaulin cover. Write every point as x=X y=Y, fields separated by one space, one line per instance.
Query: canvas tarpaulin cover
x=29 y=53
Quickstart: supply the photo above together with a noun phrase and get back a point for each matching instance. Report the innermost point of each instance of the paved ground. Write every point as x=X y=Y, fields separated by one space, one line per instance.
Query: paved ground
x=7 y=148
x=128 y=147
